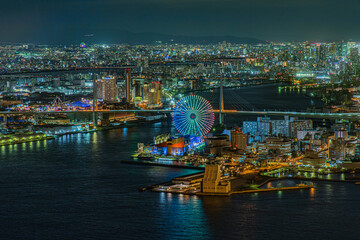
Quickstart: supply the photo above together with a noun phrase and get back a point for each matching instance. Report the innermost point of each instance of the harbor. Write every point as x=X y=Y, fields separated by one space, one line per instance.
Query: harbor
x=192 y=185
x=297 y=187
x=197 y=184
x=18 y=138
x=220 y=185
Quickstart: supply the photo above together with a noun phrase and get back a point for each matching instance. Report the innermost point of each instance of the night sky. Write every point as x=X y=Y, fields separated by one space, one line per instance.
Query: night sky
x=66 y=21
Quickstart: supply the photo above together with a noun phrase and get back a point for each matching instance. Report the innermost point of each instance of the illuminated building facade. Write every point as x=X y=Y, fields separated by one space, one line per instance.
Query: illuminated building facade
x=280 y=127
x=266 y=127
x=250 y=127
x=155 y=93
x=238 y=140
x=337 y=149
x=281 y=145
x=212 y=182
x=128 y=85
x=106 y=89
x=166 y=145
x=299 y=125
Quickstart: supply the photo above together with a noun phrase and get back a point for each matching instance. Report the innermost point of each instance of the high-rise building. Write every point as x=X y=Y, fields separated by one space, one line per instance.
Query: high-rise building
x=146 y=92
x=323 y=52
x=238 y=140
x=337 y=149
x=128 y=85
x=307 y=51
x=106 y=89
x=155 y=93
x=299 y=125
x=138 y=88
x=280 y=127
x=250 y=127
x=264 y=126
x=110 y=89
x=99 y=89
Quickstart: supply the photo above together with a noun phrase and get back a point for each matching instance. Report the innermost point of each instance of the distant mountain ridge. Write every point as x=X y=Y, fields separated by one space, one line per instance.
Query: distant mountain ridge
x=126 y=37
x=153 y=38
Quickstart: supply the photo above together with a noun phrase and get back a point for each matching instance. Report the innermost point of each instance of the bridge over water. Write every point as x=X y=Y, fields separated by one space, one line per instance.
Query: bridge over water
x=347 y=116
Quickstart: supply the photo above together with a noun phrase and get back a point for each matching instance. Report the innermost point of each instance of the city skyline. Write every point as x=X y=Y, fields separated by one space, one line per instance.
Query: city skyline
x=128 y=119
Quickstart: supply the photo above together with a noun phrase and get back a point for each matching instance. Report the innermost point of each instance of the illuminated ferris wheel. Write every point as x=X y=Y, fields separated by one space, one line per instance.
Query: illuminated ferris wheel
x=193 y=115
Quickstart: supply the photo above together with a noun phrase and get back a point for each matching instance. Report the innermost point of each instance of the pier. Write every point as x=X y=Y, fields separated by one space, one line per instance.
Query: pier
x=299 y=187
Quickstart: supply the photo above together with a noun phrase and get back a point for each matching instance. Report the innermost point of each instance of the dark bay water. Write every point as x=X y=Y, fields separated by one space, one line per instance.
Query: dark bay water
x=75 y=187
x=262 y=97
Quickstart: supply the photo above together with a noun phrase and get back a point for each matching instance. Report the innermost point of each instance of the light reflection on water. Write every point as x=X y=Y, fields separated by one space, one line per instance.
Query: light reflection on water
x=98 y=190
x=76 y=188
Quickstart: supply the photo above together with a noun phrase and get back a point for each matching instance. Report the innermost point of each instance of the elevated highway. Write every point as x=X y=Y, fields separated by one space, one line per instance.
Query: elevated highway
x=65 y=70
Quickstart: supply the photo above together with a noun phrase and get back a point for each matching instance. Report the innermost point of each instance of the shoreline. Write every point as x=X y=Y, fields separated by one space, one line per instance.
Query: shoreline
x=245 y=190
x=162 y=165
x=257 y=191
x=47 y=138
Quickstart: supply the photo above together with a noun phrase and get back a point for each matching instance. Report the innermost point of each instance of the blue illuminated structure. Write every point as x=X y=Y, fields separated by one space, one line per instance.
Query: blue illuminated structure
x=193 y=115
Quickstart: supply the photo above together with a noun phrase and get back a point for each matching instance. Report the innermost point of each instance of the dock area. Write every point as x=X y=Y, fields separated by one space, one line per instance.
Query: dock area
x=299 y=187
x=11 y=139
x=153 y=163
x=192 y=185
x=212 y=182
x=195 y=189
x=316 y=179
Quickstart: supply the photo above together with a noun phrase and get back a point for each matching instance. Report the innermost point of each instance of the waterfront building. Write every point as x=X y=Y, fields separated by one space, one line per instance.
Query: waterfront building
x=57 y=129
x=176 y=147
x=212 y=182
x=165 y=145
x=56 y=121
x=312 y=158
x=162 y=138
